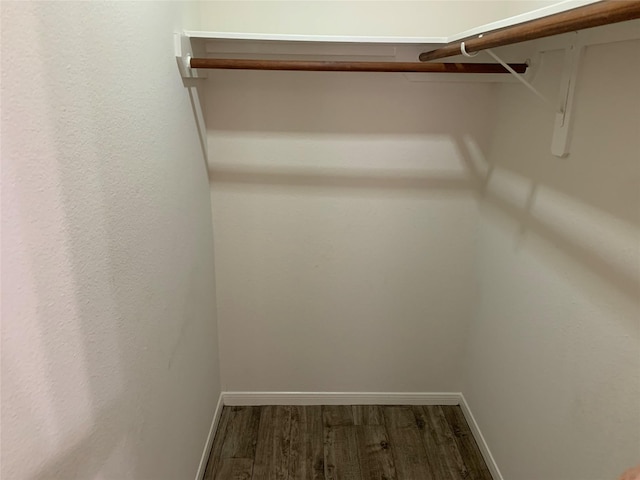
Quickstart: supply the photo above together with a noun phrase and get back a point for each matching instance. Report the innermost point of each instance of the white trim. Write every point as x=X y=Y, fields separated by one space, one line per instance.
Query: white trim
x=341 y=398
x=482 y=444
x=210 y=437
x=288 y=37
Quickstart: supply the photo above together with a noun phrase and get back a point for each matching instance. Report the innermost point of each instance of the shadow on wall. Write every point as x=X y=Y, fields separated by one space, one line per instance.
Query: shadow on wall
x=79 y=418
x=348 y=179
x=195 y=87
x=110 y=274
x=345 y=213
x=584 y=206
x=349 y=133
x=345 y=104
x=558 y=294
x=562 y=222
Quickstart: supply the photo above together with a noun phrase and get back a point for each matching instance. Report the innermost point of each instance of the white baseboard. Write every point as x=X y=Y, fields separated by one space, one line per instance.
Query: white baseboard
x=482 y=444
x=340 y=398
x=209 y=443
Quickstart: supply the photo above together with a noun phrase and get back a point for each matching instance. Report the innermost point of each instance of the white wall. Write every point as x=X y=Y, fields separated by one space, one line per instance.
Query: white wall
x=109 y=358
x=344 y=218
x=554 y=364
x=426 y=18
x=344 y=207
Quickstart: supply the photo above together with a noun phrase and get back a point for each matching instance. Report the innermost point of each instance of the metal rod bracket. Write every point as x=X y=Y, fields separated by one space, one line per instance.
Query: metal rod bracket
x=184 y=53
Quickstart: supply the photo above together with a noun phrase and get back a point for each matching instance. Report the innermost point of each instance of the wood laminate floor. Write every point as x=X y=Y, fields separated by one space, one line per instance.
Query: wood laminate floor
x=345 y=443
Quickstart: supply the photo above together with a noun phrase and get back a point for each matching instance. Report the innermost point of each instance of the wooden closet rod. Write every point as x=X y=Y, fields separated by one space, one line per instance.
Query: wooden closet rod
x=594 y=15
x=323 y=66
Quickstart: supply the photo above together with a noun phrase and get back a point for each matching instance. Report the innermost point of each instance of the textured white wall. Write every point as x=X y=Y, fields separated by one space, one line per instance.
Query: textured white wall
x=344 y=217
x=426 y=18
x=554 y=357
x=109 y=360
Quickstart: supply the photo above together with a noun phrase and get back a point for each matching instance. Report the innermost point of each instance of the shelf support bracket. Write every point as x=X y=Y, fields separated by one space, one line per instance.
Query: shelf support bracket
x=562 y=128
x=563 y=112
x=519 y=77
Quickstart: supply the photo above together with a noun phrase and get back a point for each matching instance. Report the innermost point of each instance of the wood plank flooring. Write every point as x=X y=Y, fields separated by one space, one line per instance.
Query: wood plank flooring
x=337 y=442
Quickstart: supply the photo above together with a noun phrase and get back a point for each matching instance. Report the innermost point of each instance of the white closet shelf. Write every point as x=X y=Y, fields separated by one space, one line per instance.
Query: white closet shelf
x=520 y=37
x=355 y=53
x=392 y=40
x=324 y=52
